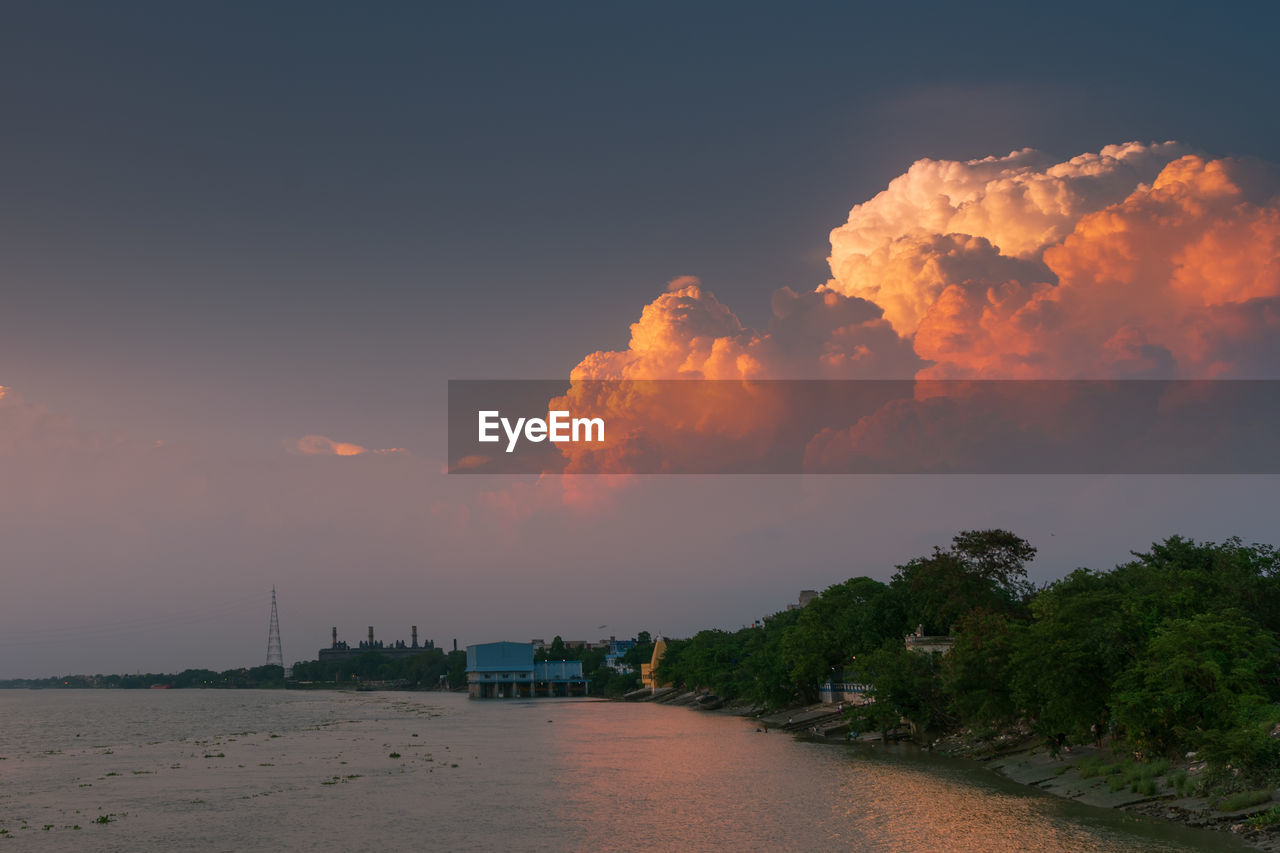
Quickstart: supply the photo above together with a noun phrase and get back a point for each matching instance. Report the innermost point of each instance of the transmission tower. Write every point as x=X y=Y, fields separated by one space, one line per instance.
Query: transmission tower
x=275 y=657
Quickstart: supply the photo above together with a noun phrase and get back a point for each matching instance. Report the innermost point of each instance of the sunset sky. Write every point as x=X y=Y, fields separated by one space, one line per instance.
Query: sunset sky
x=242 y=250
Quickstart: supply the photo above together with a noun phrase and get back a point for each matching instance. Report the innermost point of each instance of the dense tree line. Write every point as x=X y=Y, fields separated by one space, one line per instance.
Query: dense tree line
x=428 y=669
x=1174 y=650
x=254 y=677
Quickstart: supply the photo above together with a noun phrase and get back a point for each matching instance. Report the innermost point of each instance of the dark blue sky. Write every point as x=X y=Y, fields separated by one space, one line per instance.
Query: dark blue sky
x=267 y=201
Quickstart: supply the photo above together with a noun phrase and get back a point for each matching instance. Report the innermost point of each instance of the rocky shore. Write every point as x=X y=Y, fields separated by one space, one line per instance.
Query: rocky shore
x=1089 y=774
x=1096 y=775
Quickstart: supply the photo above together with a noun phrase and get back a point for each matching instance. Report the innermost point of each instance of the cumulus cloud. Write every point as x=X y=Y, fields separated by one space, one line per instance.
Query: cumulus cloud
x=948 y=221
x=687 y=333
x=1138 y=261
x=1180 y=279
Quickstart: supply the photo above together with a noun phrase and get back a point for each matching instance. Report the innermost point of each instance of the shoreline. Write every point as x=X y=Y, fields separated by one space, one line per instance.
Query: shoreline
x=1020 y=758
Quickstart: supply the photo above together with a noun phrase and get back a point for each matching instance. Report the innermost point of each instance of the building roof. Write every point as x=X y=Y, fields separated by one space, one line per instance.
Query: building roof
x=499 y=657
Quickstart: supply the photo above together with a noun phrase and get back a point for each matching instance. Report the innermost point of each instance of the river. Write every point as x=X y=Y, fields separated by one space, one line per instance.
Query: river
x=233 y=770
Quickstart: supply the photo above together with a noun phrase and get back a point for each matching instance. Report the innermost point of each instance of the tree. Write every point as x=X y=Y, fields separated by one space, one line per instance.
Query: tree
x=904 y=686
x=1202 y=674
x=1065 y=662
x=998 y=557
x=982 y=568
x=978 y=669
x=846 y=619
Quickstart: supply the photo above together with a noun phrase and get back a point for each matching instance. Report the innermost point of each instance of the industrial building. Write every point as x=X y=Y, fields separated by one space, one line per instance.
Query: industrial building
x=340 y=650
x=507 y=671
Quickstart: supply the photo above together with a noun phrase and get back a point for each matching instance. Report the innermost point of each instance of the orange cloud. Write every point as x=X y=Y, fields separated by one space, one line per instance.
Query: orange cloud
x=945 y=222
x=319 y=445
x=1137 y=261
x=1180 y=279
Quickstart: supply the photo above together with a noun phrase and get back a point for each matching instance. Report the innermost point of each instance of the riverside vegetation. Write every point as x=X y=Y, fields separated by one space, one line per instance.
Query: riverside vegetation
x=1170 y=653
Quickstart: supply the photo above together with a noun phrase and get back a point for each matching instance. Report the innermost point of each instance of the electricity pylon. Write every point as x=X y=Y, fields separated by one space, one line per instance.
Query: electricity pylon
x=275 y=656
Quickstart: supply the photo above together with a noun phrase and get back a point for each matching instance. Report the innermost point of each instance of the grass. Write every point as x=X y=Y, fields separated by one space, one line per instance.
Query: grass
x=1138 y=776
x=1243 y=800
x=1269 y=818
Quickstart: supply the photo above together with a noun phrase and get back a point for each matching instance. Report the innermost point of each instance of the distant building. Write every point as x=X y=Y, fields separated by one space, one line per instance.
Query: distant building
x=806 y=595
x=340 y=650
x=615 y=650
x=920 y=642
x=507 y=671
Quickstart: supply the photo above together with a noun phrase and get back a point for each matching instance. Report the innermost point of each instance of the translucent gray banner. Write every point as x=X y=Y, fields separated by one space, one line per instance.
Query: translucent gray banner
x=863 y=427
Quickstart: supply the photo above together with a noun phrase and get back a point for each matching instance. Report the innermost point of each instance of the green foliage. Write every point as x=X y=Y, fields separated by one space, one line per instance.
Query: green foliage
x=746 y=664
x=905 y=686
x=849 y=618
x=424 y=669
x=1243 y=800
x=1267 y=819
x=1173 y=650
x=1181 y=783
x=976 y=673
x=1206 y=673
x=982 y=569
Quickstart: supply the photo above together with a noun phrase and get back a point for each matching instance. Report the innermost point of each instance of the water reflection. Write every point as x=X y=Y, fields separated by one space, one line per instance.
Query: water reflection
x=234 y=770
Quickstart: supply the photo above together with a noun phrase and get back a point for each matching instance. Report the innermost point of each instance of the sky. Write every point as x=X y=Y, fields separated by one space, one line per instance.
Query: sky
x=244 y=248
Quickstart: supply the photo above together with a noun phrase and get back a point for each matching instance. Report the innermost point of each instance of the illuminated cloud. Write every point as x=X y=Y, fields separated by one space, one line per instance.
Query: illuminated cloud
x=319 y=445
x=687 y=333
x=1139 y=261
x=1180 y=279
x=468 y=463
x=945 y=222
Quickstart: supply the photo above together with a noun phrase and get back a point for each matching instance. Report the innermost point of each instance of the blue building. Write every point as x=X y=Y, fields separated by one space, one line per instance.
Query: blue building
x=614 y=652
x=507 y=671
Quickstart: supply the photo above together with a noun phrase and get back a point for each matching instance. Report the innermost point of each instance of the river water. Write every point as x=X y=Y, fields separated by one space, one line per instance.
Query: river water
x=257 y=770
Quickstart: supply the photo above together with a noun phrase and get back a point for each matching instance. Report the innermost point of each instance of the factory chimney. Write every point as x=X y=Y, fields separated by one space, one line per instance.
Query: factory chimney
x=414 y=633
x=370 y=635
x=335 y=636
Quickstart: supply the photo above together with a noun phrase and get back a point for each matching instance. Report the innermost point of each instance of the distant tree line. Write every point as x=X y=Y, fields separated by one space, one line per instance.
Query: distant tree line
x=255 y=677
x=1174 y=650
x=429 y=668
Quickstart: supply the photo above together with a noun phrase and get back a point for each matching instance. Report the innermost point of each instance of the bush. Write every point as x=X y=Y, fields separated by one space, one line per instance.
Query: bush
x=1145 y=787
x=1243 y=800
x=1269 y=818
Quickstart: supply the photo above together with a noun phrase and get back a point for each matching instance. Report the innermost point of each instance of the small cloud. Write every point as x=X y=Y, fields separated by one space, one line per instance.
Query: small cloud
x=467 y=463
x=320 y=445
